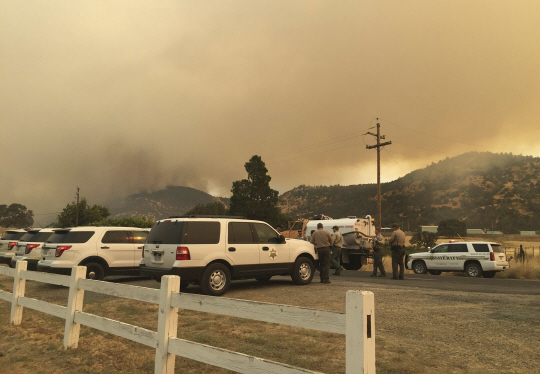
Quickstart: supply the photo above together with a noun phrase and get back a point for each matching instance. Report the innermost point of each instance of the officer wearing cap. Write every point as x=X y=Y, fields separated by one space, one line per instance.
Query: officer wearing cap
x=378 y=242
x=397 y=242
x=336 y=251
x=301 y=235
x=323 y=241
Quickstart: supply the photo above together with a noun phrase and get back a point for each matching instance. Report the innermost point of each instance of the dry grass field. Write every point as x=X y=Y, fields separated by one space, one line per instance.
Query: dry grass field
x=417 y=331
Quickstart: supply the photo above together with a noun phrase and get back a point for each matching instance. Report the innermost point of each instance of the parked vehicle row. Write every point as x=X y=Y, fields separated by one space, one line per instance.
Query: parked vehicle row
x=209 y=251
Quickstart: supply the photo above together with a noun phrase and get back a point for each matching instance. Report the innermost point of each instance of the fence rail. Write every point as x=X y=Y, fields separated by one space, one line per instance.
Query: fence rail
x=357 y=324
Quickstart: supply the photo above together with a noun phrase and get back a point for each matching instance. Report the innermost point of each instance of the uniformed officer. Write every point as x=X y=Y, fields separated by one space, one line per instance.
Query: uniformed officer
x=301 y=235
x=378 y=242
x=397 y=241
x=323 y=241
x=336 y=251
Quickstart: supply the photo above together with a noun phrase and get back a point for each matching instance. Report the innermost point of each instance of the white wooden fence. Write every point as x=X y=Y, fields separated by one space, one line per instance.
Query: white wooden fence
x=357 y=323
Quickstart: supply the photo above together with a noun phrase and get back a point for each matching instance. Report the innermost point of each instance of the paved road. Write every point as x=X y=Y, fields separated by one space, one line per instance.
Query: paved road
x=452 y=283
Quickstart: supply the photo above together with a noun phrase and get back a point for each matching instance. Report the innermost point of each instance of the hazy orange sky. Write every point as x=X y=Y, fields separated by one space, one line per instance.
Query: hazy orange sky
x=117 y=97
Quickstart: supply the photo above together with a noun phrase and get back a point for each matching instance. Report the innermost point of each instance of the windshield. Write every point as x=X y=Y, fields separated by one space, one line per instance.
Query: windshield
x=166 y=233
x=497 y=248
x=13 y=235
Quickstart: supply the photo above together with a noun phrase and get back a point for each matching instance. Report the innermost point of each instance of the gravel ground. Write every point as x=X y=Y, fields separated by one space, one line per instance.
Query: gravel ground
x=418 y=330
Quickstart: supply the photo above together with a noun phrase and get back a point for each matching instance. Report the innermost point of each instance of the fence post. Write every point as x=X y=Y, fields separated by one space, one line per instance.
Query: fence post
x=360 y=332
x=167 y=324
x=19 y=285
x=75 y=304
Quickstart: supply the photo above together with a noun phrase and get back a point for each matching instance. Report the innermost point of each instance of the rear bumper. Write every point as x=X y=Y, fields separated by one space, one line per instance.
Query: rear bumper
x=185 y=274
x=49 y=269
x=5 y=260
x=31 y=264
x=492 y=266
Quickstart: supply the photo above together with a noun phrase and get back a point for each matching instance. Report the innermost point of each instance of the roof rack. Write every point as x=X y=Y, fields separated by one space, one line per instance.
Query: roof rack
x=207 y=216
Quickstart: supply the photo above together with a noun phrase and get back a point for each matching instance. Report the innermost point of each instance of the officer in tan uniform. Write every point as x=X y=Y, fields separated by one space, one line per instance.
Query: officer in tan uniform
x=397 y=242
x=323 y=241
x=336 y=251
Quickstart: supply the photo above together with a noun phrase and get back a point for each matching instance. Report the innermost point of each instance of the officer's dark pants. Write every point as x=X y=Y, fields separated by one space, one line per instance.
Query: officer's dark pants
x=325 y=254
x=335 y=259
x=398 y=256
x=377 y=262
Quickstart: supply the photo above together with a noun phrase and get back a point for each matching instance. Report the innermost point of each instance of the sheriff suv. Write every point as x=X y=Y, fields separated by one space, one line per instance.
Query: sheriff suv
x=213 y=250
x=7 y=242
x=474 y=258
x=103 y=250
x=29 y=247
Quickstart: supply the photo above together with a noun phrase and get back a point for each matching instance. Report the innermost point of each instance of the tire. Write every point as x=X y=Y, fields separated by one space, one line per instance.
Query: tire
x=435 y=272
x=489 y=274
x=474 y=270
x=419 y=267
x=303 y=271
x=94 y=271
x=264 y=279
x=215 y=280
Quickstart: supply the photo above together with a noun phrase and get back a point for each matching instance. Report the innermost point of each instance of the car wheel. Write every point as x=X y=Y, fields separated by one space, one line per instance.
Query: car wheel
x=94 y=271
x=303 y=271
x=419 y=267
x=264 y=279
x=215 y=280
x=473 y=270
x=435 y=272
x=489 y=274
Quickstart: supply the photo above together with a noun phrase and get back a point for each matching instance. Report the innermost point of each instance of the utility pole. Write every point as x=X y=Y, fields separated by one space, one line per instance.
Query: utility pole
x=77 y=216
x=378 y=136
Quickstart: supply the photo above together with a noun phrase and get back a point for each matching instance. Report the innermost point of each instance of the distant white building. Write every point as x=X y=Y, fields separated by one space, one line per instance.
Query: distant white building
x=429 y=228
x=475 y=232
x=494 y=233
x=528 y=233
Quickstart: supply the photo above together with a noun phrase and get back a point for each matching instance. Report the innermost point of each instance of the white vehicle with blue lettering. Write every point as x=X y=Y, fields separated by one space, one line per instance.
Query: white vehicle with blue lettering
x=474 y=258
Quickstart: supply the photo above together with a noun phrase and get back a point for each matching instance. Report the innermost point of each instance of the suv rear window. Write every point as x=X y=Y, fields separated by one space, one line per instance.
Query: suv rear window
x=497 y=248
x=70 y=236
x=166 y=233
x=12 y=235
x=36 y=236
x=139 y=237
x=481 y=247
x=116 y=237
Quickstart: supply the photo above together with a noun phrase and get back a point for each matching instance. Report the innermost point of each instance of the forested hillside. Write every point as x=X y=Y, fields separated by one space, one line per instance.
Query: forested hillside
x=487 y=190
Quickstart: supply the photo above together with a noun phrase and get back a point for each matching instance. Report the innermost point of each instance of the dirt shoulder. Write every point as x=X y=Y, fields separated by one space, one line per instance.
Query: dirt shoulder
x=417 y=331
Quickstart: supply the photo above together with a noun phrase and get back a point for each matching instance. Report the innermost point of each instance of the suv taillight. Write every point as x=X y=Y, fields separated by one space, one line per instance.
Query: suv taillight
x=60 y=249
x=492 y=256
x=182 y=253
x=29 y=248
x=11 y=245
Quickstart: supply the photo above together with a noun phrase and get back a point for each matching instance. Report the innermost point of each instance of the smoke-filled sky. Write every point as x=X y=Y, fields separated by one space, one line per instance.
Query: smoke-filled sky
x=118 y=97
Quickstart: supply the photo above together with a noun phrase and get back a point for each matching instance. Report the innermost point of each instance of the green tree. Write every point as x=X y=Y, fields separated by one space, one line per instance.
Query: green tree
x=15 y=215
x=424 y=239
x=252 y=197
x=452 y=227
x=87 y=214
x=142 y=222
x=216 y=208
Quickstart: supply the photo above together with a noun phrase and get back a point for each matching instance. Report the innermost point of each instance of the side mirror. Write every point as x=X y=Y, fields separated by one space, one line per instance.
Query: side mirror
x=281 y=239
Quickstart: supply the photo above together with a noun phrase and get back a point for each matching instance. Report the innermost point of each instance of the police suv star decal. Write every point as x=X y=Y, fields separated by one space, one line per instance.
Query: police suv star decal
x=273 y=254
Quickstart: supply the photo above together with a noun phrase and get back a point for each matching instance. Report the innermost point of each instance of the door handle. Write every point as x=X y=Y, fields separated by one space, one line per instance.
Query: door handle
x=266 y=248
x=105 y=247
x=140 y=247
x=232 y=249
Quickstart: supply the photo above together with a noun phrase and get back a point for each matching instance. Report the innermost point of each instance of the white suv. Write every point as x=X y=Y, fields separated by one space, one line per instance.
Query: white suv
x=212 y=251
x=29 y=247
x=103 y=250
x=7 y=242
x=474 y=258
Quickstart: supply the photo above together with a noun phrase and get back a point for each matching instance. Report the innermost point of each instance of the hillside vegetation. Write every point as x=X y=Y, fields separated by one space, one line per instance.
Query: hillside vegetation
x=486 y=190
